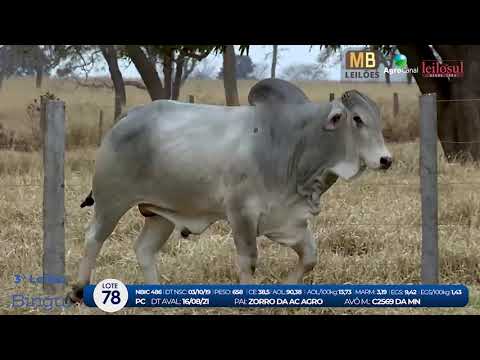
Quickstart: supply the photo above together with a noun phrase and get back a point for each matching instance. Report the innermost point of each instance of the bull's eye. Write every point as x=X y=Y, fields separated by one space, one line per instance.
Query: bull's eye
x=358 y=120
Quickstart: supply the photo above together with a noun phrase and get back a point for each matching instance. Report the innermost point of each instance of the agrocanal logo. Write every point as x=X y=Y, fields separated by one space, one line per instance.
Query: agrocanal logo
x=400 y=61
x=363 y=65
x=399 y=65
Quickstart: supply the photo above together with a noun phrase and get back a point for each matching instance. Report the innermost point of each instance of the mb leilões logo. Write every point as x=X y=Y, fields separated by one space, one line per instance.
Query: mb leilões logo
x=360 y=65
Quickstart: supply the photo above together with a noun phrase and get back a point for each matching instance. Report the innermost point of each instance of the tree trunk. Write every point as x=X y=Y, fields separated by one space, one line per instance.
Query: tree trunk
x=387 y=77
x=187 y=70
x=230 y=76
x=409 y=78
x=167 y=74
x=274 y=61
x=110 y=55
x=458 y=121
x=39 y=76
x=177 y=83
x=147 y=71
x=387 y=65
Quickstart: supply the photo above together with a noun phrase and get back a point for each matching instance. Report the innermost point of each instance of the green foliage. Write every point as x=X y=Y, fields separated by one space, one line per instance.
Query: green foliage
x=244 y=67
x=49 y=96
x=34 y=107
x=197 y=52
x=24 y=60
x=386 y=50
x=74 y=57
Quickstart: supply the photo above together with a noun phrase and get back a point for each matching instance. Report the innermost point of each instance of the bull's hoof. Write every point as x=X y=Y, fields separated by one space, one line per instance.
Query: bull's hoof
x=185 y=233
x=75 y=296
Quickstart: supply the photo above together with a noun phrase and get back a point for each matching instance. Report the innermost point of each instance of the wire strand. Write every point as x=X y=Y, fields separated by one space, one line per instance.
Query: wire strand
x=77 y=186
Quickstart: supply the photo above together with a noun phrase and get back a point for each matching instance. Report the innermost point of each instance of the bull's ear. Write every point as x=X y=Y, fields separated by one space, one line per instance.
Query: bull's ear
x=334 y=119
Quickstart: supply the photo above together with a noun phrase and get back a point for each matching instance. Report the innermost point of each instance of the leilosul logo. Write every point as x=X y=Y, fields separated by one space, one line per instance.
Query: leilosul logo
x=448 y=68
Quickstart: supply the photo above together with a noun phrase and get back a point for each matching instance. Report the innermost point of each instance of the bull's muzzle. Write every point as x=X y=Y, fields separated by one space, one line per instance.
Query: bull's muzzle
x=385 y=162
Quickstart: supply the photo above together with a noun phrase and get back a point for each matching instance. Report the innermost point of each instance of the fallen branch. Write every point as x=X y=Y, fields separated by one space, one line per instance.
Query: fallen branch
x=136 y=83
x=107 y=84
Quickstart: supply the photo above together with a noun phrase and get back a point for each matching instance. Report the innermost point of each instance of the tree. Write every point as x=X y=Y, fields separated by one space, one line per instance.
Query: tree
x=6 y=68
x=298 y=72
x=85 y=58
x=229 y=76
x=28 y=60
x=260 y=70
x=386 y=59
x=110 y=55
x=198 y=53
x=177 y=63
x=275 y=54
x=274 y=61
x=244 y=68
x=41 y=59
x=204 y=70
x=458 y=121
x=147 y=71
x=409 y=78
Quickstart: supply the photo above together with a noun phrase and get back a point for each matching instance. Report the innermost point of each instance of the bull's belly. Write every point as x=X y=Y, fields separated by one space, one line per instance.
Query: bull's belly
x=279 y=223
x=194 y=222
x=188 y=206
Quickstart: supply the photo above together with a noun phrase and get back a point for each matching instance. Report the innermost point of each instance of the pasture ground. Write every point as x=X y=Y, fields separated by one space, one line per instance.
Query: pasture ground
x=367 y=232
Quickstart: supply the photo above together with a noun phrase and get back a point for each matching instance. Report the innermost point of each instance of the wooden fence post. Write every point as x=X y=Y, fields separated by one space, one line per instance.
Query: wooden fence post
x=331 y=97
x=428 y=174
x=396 y=105
x=191 y=99
x=100 y=128
x=53 y=128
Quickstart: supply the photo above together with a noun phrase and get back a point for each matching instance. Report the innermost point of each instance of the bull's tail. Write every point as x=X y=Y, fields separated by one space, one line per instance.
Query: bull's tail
x=88 y=200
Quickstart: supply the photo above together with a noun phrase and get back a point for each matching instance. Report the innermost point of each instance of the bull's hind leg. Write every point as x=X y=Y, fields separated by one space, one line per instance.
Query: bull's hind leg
x=100 y=227
x=155 y=233
x=244 y=230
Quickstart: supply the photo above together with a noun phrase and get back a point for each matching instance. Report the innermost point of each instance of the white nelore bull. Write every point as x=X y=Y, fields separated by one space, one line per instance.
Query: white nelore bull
x=263 y=168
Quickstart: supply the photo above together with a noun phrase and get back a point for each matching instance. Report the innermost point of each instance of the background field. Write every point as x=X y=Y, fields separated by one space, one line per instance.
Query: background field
x=83 y=106
x=368 y=230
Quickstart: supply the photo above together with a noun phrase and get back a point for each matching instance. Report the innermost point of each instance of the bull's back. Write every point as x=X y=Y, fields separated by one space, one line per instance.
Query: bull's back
x=174 y=152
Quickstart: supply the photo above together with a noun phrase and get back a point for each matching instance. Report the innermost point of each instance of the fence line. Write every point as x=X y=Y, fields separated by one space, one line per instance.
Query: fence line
x=457 y=100
x=458 y=142
x=389 y=225
x=336 y=185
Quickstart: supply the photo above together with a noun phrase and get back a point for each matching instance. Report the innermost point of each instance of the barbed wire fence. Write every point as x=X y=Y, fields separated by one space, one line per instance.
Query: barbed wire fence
x=52 y=123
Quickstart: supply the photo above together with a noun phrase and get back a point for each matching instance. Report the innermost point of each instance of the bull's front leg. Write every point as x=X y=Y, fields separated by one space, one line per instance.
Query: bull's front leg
x=303 y=243
x=244 y=229
x=306 y=250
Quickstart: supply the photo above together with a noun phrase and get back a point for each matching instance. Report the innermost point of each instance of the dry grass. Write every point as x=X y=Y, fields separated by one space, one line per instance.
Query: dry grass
x=368 y=230
x=83 y=106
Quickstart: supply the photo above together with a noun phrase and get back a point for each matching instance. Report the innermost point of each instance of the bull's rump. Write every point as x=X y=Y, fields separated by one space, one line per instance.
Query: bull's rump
x=175 y=155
